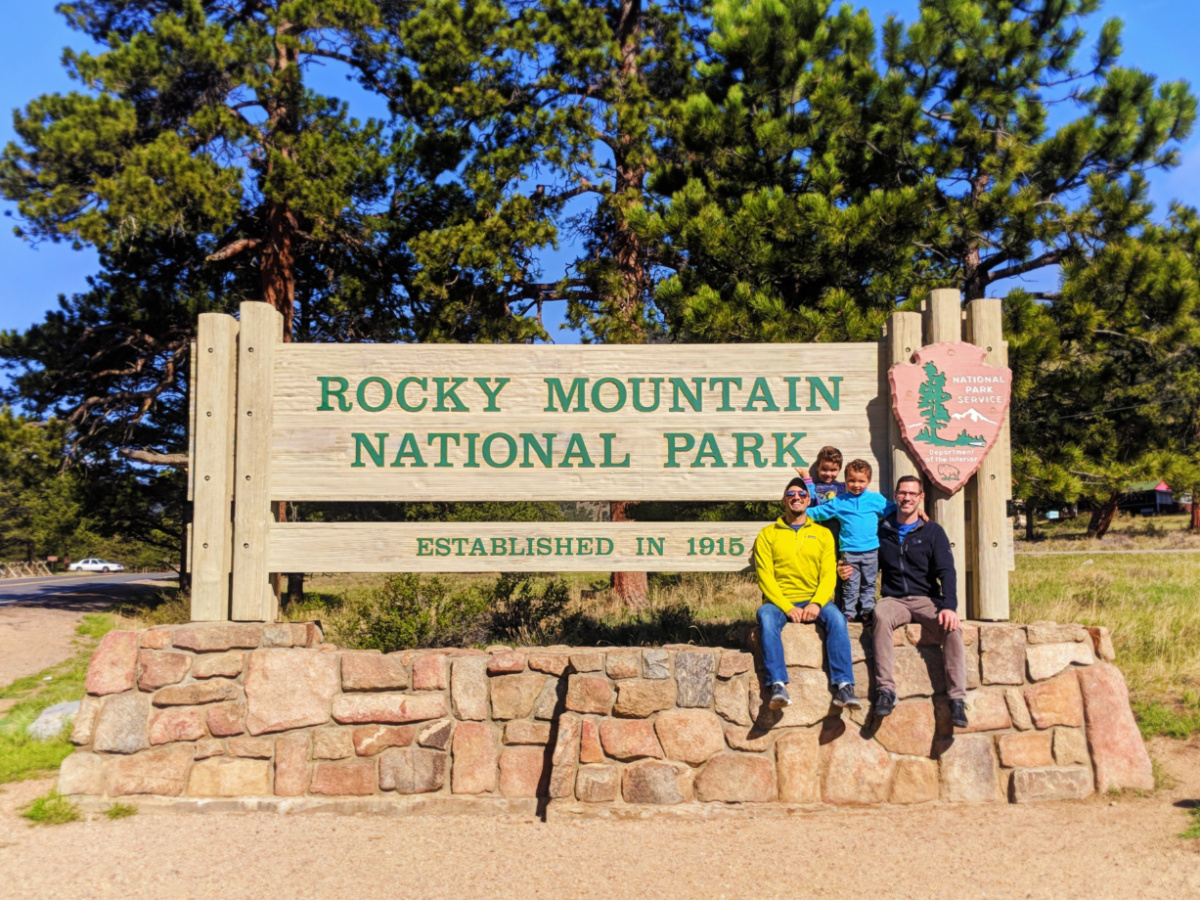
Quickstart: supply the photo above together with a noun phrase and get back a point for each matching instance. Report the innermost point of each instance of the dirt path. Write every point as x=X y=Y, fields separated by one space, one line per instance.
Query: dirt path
x=33 y=638
x=1100 y=848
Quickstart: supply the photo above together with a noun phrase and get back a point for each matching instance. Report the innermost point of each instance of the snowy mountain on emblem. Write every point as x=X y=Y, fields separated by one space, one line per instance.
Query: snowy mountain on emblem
x=974 y=415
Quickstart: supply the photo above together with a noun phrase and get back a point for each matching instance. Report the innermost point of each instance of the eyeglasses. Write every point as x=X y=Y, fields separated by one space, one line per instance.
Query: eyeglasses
x=792 y=494
x=908 y=493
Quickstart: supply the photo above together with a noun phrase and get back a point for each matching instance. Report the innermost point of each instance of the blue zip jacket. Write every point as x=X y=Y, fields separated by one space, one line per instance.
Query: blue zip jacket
x=858 y=516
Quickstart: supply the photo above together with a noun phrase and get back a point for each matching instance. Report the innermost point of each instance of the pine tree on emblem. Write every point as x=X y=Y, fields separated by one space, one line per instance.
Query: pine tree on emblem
x=931 y=401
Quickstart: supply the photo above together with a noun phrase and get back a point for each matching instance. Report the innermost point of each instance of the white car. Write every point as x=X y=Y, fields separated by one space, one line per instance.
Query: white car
x=94 y=564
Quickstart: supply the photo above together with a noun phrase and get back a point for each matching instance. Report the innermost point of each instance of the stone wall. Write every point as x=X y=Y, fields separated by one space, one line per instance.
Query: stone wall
x=270 y=711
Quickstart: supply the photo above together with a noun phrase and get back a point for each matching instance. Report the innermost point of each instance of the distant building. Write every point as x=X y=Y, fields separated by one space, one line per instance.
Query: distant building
x=1149 y=498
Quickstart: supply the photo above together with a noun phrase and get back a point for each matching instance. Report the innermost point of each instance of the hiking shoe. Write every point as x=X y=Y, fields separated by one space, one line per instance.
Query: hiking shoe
x=884 y=704
x=958 y=713
x=779 y=697
x=844 y=696
x=867 y=617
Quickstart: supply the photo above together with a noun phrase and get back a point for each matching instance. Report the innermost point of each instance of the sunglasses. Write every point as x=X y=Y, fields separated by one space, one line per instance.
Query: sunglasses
x=792 y=494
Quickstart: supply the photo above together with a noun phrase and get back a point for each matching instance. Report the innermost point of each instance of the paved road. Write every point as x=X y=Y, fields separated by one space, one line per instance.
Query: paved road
x=68 y=590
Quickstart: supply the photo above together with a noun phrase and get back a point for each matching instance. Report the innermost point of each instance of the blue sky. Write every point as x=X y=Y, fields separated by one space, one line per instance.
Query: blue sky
x=1160 y=37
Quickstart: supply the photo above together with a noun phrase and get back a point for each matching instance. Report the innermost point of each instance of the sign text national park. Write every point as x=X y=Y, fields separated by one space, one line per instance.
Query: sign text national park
x=426 y=422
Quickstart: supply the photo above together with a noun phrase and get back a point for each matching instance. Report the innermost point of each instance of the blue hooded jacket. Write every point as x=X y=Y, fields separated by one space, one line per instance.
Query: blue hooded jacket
x=858 y=516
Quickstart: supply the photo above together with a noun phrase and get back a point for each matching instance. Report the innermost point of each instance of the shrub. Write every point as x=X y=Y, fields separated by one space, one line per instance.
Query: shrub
x=407 y=612
x=526 y=609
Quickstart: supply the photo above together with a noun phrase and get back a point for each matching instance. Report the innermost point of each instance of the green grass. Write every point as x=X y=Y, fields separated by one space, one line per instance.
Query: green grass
x=1193 y=830
x=1148 y=602
x=21 y=756
x=120 y=811
x=51 y=809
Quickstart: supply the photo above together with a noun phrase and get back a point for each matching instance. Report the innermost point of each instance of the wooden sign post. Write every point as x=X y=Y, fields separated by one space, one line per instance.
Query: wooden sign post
x=363 y=422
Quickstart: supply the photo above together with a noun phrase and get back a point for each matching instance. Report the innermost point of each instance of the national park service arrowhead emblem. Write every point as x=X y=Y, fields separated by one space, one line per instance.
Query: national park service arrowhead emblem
x=950 y=405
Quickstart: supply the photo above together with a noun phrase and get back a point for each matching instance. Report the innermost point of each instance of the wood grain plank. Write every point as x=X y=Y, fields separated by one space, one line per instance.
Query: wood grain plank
x=213 y=390
x=513 y=547
x=902 y=337
x=313 y=450
x=992 y=527
x=261 y=332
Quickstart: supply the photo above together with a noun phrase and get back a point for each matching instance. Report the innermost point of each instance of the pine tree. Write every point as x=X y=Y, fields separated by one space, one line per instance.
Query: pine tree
x=978 y=79
x=790 y=213
x=931 y=401
x=1107 y=392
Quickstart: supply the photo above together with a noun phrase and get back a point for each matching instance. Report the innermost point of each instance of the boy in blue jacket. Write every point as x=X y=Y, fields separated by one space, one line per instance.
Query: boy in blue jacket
x=857 y=511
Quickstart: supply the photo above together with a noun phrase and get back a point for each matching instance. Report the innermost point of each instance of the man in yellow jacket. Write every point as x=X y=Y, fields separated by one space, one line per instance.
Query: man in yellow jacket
x=796 y=565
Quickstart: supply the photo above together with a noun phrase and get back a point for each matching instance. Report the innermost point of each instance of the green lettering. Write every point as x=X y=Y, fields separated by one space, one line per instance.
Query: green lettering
x=688 y=442
x=637 y=388
x=678 y=387
x=748 y=442
x=761 y=393
x=487 y=450
x=817 y=384
x=402 y=398
x=445 y=437
x=596 y=388
x=656 y=546
x=608 y=463
x=554 y=388
x=472 y=462
x=477 y=548
x=459 y=542
x=792 y=381
x=340 y=392
x=576 y=449
x=448 y=393
x=585 y=546
x=362 y=394
x=559 y=545
x=499 y=547
x=604 y=546
x=709 y=450
x=424 y=546
x=492 y=393
x=361 y=442
x=512 y=547
x=529 y=441
x=408 y=449
x=443 y=546
x=725 y=384
x=790 y=448
x=543 y=546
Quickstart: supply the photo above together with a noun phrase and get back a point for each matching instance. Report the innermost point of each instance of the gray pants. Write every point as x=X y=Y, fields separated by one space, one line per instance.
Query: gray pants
x=894 y=612
x=858 y=591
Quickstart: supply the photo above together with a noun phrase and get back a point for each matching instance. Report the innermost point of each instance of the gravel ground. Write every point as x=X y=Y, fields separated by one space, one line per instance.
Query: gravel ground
x=1094 y=849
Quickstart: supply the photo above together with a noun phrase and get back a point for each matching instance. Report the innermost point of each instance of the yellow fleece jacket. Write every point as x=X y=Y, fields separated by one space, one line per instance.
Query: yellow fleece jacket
x=795 y=566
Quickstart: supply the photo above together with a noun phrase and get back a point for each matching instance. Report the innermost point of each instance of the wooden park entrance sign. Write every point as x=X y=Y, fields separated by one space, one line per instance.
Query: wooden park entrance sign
x=278 y=421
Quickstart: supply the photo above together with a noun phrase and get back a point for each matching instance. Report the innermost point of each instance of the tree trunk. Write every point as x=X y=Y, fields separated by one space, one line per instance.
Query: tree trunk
x=1196 y=507
x=629 y=587
x=1102 y=517
x=975 y=279
x=295 y=588
x=1030 y=516
x=627 y=251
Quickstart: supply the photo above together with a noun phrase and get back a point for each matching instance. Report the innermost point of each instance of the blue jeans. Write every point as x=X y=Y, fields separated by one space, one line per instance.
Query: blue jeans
x=771 y=620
